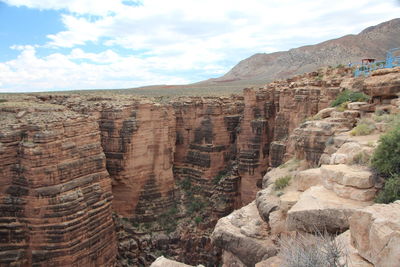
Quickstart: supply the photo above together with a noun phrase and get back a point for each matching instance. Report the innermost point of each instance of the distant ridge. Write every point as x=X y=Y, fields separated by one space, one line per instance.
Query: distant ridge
x=373 y=42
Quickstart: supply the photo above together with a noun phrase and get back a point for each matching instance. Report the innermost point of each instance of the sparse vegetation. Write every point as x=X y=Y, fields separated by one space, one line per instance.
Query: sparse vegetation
x=291 y=164
x=219 y=176
x=198 y=220
x=167 y=220
x=364 y=127
x=361 y=158
x=342 y=107
x=321 y=250
x=186 y=184
x=282 y=182
x=349 y=96
x=393 y=119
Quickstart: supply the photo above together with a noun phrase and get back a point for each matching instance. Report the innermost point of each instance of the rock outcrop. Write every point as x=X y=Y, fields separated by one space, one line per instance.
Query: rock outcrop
x=245 y=236
x=55 y=190
x=174 y=168
x=375 y=233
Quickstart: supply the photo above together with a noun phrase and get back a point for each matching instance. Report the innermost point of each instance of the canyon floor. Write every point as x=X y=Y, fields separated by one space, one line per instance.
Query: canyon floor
x=114 y=179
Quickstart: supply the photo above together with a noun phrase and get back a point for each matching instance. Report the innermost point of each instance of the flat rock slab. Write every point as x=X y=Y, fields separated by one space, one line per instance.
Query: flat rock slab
x=320 y=209
x=244 y=234
x=346 y=175
x=375 y=233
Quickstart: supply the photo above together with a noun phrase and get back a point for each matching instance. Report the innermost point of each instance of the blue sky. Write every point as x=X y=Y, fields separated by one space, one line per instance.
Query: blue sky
x=90 y=44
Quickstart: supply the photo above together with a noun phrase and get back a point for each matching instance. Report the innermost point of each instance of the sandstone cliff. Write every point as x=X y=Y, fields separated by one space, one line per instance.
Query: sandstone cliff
x=172 y=169
x=55 y=189
x=334 y=196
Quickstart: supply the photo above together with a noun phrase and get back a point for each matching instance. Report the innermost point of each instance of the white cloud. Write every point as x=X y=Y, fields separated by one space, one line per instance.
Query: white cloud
x=93 y=7
x=177 y=36
x=28 y=72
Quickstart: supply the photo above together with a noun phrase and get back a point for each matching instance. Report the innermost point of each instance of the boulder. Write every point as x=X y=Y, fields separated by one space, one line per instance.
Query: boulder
x=230 y=260
x=320 y=209
x=164 y=262
x=350 y=254
x=244 y=234
x=305 y=179
x=375 y=233
x=356 y=105
x=325 y=113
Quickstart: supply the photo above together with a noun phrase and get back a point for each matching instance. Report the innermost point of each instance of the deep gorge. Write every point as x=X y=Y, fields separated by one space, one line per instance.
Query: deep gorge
x=99 y=181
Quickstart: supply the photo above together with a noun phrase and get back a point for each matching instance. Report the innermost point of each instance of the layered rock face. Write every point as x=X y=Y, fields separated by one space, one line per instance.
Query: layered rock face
x=206 y=148
x=138 y=142
x=333 y=197
x=175 y=168
x=55 y=190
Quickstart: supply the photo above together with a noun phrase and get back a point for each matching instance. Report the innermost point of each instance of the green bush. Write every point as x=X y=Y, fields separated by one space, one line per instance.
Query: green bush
x=349 y=96
x=3 y=100
x=391 y=190
x=198 y=219
x=282 y=182
x=386 y=158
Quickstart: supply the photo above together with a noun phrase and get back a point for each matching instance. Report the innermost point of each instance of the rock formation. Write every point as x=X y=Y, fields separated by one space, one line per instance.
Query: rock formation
x=55 y=189
x=333 y=196
x=174 y=168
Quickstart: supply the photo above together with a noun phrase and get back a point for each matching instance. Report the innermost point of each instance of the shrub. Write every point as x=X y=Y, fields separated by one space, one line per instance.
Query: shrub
x=198 y=219
x=342 y=107
x=282 y=182
x=195 y=205
x=364 y=127
x=3 y=100
x=386 y=158
x=349 y=96
x=321 y=250
x=391 y=190
x=186 y=184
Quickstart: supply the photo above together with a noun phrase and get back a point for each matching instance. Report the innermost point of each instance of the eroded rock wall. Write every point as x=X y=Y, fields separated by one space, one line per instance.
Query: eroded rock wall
x=55 y=190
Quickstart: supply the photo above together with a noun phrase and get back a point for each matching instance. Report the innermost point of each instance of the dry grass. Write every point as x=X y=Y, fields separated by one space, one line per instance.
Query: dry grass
x=321 y=250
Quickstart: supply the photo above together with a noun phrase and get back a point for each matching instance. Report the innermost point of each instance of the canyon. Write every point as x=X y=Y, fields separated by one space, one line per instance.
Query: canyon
x=118 y=180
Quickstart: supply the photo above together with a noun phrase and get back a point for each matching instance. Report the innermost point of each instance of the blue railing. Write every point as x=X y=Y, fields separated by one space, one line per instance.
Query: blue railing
x=390 y=62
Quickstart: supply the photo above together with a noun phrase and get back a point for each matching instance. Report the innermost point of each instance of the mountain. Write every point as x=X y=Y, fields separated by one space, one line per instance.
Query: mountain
x=373 y=42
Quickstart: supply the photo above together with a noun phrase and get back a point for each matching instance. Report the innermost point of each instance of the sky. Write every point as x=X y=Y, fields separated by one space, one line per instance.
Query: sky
x=50 y=45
